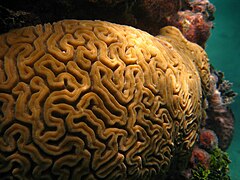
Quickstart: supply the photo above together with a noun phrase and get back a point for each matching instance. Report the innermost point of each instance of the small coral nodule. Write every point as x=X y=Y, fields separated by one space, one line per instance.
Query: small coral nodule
x=199 y=156
x=208 y=139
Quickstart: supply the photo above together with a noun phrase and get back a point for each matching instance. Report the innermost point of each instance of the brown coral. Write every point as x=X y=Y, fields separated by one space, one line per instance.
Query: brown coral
x=91 y=99
x=220 y=118
x=193 y=26
x=194 y=20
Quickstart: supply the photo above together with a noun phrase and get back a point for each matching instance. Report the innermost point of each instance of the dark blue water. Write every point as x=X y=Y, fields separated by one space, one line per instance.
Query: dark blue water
x=223 y=49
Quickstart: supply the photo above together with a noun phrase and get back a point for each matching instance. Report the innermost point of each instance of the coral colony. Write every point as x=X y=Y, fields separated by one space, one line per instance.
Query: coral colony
x=129 y=96
x=90 y=97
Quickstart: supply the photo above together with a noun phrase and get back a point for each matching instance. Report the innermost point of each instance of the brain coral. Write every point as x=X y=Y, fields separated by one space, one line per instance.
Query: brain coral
x=92 y=99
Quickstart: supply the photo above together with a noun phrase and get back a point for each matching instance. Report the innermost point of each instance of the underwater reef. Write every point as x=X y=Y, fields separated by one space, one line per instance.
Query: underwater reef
x=125 y=91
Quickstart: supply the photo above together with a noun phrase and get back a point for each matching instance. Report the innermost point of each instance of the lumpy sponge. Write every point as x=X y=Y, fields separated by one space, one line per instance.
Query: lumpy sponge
x=92 y=99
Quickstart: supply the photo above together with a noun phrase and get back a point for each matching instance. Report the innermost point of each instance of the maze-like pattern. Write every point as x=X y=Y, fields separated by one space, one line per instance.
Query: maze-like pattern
x=95 y=100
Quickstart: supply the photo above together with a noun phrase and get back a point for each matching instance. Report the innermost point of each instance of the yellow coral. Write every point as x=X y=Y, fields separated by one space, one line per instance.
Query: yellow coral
x=92 y=99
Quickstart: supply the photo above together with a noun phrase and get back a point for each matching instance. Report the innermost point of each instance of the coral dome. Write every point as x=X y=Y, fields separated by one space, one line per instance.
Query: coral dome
x=93 y=99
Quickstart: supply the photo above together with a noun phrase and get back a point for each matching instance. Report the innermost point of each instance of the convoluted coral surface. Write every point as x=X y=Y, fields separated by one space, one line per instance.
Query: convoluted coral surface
x=91 y=99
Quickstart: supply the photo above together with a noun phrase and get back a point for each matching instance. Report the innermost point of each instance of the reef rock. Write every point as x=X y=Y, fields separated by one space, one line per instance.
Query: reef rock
x=193 y=17
x=92 y=99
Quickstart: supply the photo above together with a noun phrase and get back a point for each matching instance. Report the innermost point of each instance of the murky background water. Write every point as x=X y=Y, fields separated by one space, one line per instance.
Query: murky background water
x=223 y=49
